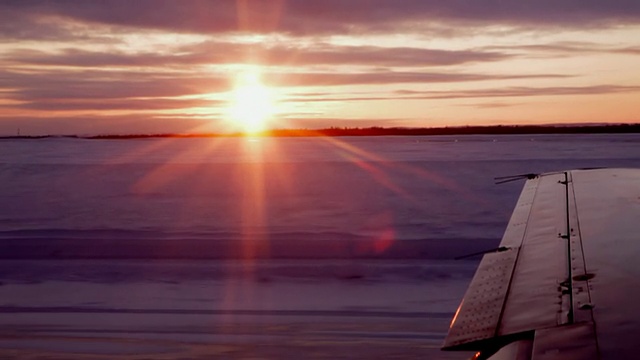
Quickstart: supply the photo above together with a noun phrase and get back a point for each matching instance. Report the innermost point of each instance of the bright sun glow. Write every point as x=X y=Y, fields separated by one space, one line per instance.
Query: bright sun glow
x=252 y=104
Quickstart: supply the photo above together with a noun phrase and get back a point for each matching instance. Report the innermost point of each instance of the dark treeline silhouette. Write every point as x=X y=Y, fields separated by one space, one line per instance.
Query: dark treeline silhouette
x=392 y=131
x=463 y=130
x=400 y=131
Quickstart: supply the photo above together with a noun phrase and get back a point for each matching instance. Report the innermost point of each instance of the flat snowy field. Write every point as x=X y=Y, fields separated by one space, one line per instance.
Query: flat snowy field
x=282 y=248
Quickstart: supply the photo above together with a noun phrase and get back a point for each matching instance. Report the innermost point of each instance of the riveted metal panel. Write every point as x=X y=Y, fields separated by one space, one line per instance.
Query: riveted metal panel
x=517 y=226
x=534 y=299
x=479 y=313
x=581 y=299
x=569 y=342
x=608 y=205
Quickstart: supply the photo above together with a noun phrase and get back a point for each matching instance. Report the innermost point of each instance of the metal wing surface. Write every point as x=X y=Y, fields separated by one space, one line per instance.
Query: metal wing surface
x=565 y=283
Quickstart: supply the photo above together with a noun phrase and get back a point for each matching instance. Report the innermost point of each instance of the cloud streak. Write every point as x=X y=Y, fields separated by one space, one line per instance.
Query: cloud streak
x=216 y=53
x=302 y=17
x=46 y=87
x=507 y=92
x=522 y=91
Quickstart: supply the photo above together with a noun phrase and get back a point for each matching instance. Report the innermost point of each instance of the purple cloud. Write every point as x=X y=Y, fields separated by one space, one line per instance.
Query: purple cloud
x=303 y=17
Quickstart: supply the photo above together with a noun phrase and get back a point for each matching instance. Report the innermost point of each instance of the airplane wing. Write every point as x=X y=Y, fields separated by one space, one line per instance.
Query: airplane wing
x=565 y=282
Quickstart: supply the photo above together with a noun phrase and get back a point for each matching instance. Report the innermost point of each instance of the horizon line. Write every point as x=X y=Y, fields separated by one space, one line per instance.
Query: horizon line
x=587 y=128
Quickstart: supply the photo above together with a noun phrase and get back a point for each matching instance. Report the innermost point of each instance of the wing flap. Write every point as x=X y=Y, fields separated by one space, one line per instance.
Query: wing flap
x=566 y=283
x=535 y=299
x=511 y=293
x=479 y=314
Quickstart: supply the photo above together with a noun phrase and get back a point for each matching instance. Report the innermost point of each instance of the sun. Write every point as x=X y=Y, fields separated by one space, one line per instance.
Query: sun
x=252 y=103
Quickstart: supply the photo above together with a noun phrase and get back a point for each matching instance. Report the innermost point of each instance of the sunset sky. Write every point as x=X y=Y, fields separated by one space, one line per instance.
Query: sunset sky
x=152 y=66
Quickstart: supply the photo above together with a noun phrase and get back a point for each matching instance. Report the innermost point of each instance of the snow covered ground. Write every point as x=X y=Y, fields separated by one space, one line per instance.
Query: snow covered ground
x=321 y=309
x=256 y=248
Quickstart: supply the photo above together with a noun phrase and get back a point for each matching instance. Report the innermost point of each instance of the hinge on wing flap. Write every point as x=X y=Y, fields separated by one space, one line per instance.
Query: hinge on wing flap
x=498 y=249
x=510 y=178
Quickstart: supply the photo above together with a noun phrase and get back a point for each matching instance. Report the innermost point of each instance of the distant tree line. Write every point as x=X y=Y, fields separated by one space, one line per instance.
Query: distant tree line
x=460 y=130
x=392 y=131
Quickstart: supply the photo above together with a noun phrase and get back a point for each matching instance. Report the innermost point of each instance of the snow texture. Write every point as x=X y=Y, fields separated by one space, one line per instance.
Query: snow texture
x=274 y=248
